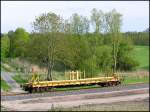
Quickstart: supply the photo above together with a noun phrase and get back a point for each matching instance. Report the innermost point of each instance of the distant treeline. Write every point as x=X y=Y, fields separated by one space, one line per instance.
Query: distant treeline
x=138 y=38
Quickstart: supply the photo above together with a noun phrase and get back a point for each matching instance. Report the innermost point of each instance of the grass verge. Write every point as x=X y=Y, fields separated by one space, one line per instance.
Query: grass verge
x=132 y=80
x=4 y=85
x=19 y=79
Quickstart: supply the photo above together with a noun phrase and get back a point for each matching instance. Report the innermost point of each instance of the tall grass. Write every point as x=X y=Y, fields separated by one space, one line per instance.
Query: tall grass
x=135 y=77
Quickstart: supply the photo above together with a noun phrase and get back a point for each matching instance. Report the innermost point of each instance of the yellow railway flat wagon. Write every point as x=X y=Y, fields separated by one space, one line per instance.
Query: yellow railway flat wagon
x=45 y=85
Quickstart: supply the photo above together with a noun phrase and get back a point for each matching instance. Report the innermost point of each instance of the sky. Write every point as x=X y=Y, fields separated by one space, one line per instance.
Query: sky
x=16 y=14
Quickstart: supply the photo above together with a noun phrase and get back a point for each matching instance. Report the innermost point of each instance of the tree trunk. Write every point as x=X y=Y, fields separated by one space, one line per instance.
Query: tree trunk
x=49 y=73
x=114 y=55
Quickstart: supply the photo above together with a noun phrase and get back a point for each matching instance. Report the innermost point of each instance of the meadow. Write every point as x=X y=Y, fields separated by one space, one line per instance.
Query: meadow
x=141 y=54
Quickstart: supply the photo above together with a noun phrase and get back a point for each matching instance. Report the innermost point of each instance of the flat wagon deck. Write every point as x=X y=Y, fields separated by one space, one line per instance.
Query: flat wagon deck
x=45 y=85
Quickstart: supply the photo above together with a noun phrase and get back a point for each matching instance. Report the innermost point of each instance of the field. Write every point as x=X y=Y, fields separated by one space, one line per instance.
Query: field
x=141 y=54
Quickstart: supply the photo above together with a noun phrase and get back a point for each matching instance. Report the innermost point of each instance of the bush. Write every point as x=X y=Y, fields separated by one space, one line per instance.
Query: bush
x=125 y=59
x=127 y=63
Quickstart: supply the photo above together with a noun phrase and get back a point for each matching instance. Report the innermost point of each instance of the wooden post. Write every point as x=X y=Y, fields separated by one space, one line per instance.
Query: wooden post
x=70 y=75
x=77 y=75
x=84 y=74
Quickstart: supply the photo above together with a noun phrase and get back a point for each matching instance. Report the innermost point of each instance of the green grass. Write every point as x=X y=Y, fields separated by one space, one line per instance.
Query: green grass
x=18 y=78
x=141 y=54
x=130 y=80
x=4 y=85
x=5 y=68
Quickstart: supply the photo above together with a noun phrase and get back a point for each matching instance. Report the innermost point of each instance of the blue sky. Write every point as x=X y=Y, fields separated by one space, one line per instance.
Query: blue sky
x=22 y=13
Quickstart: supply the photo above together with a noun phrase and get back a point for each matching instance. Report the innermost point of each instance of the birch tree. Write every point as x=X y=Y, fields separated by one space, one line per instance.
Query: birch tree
x=113 y=23
x=97 y=20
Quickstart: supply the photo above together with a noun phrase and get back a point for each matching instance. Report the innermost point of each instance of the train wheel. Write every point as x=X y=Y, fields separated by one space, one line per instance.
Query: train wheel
x=113 y=83
x=117 y=83
x=110 y=83
x=106 y=84
x=34 y=90
x=30 y=89
x=42 y=89
x=47 y=89
x=37 y=89
x=101 y=84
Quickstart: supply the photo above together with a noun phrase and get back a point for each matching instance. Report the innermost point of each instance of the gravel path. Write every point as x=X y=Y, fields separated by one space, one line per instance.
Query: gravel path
x=7 y=76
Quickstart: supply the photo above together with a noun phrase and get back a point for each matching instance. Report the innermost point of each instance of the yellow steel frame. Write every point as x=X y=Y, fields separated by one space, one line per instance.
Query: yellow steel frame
x=73 y=82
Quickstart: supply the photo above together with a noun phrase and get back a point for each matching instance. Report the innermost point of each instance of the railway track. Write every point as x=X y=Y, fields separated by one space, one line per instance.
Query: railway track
x=20 y=96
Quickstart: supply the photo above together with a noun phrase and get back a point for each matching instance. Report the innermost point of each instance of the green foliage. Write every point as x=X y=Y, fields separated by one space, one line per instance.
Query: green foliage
x=5 y=67
x=104 y=58
x=21 y=37
x=4 y=47
x=138 y=38
x=90 y=66
x=127 y=64
x=125 y=58
x=4 y=85
x=19 y=79
x=133 y=79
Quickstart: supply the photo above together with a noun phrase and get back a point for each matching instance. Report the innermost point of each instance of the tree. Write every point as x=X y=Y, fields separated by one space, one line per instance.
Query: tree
x=11 y=42
x=79 y=24
x=19 y=42
x=125 y=58
x=104 y=59
x=85 y=23
x=67 y=27
x=76 y=24
x=97 y=20
x=49 y=25
x=113 y=26
x=4 y=47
